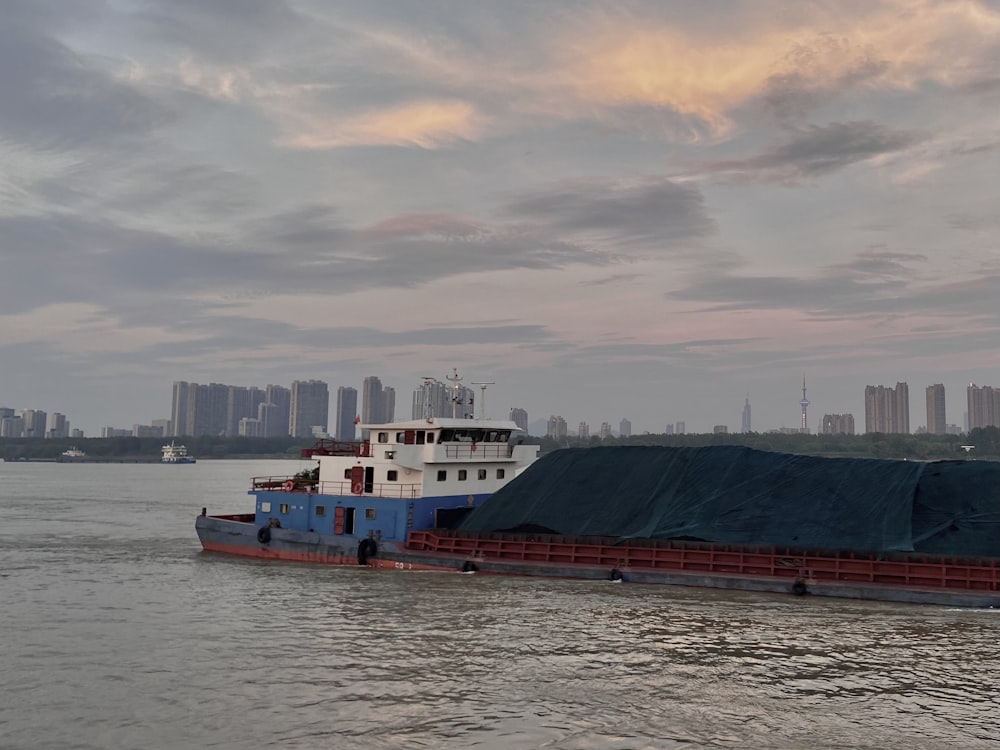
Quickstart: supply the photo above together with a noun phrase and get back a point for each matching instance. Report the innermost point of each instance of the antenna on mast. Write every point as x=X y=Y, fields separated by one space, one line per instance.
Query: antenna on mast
x=482 y=387
x=456 y=379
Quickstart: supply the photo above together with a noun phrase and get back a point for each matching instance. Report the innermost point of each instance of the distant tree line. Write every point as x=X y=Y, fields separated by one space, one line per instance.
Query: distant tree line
x=203 y=447
x=986 y=442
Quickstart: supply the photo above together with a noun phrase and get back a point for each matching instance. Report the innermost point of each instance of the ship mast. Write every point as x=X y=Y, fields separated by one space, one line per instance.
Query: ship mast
x=455 y=396
x=482 y=387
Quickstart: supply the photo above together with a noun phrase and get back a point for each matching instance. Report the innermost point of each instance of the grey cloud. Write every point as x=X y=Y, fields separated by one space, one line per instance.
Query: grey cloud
x=873 y=286
x=56 y=99
x=618 y=278
x=654 y=210
x=813 y=152
x=304 y=251
x=808 y=85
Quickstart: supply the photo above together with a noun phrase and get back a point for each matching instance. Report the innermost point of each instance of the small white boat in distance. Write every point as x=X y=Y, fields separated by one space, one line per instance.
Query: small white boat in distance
x=176 y=454
x=73 y=452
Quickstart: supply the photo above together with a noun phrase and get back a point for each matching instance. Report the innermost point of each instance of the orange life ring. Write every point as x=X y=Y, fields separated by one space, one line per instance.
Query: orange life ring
x=356 y=488
x=289 y=485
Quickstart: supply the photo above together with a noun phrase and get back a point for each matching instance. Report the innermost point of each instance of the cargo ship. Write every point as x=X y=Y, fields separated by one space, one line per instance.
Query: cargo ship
x=470 y=496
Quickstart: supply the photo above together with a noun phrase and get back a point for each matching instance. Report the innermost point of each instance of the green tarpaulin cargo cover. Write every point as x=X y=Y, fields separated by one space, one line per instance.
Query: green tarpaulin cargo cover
x=736 y=495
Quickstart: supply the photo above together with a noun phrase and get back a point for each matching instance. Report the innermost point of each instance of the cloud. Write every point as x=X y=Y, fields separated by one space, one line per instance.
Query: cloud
x=813 y=152
x=427 y=124
x=872 y=286
x=651 y=211
x=54 y=98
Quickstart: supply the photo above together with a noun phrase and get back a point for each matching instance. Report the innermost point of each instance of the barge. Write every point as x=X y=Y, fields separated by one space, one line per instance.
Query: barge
x=470 y=496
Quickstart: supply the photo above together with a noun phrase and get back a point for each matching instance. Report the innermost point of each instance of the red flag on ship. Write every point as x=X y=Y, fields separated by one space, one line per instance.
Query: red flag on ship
x=357 y=420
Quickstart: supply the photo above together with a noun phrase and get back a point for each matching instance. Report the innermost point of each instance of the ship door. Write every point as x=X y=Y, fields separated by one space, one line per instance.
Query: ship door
x=357 y=480
x=348 y=520
x=369 y=478
x=338 y=520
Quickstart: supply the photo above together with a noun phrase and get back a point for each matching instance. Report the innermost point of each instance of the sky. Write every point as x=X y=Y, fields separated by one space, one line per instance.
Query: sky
x=648 y=210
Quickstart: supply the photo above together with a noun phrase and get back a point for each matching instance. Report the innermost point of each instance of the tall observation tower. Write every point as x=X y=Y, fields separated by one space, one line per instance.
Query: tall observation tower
x=804 y=403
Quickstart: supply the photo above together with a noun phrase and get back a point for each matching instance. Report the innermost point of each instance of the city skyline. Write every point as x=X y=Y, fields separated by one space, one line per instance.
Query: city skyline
x=642 y=210
x=338 y=422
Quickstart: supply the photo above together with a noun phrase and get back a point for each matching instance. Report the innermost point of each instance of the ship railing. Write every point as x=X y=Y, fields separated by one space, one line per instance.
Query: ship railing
x=477 y=451
x=336 y=487
x=907 y=569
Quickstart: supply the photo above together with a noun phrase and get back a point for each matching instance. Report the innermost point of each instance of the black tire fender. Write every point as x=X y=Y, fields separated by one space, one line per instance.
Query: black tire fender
x=799 y=588
x=616 y=575
x=264 y=535
x=366 y=548
x=469 y=567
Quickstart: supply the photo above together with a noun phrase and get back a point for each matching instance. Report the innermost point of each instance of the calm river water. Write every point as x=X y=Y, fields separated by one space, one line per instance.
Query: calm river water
x=116 y=631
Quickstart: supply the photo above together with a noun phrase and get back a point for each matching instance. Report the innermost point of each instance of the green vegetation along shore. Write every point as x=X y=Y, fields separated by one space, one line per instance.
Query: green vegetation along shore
x=985 y=444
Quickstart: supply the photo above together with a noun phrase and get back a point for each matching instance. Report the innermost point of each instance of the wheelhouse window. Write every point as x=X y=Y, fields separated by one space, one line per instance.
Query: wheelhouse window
x=265 y=507
x=500 y=473
x=383 y=437
x=347 y=473
x=482 y=473
x=420 y=437
x=283 y=508
x=320 y=510
x=392 y=475
x=463 y=475
x=442 y=475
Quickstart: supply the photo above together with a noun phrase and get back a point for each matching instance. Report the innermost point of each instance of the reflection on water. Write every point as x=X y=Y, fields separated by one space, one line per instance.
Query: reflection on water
x=119 y=632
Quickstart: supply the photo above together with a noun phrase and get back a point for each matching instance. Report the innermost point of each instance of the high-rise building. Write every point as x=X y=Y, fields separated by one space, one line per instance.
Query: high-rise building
x=936 y=422
x=278 y=421
x=347 y=413
x=436 y=399
x=179 y=409
x=207 y=409
x=984 y=406
x=388 y=404
x=887 y=409
x=605 y=432
x=556 y=428
x=625 y=428
x=310 y=407
x=746 y=425
x=838 y=424
x=199 y=409
x=58 y=426
x=519 y=417
x=11 y=427
x=680 y=428
x=372 y=401
x=241 y=403
x=902 y=393
x=583 y=431
x=33 y=423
